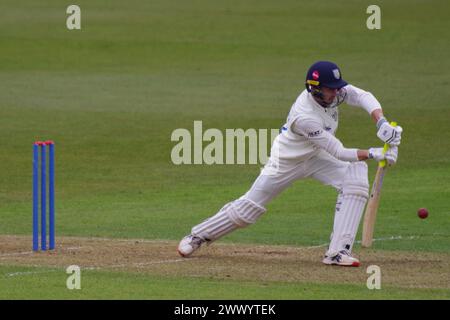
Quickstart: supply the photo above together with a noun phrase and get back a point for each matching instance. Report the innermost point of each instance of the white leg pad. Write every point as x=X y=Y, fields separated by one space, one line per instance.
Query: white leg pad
x=349 y=208
x=237 y=214
x=337 y=211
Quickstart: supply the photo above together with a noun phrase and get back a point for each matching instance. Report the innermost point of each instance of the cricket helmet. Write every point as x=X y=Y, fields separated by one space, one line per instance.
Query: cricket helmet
x=324 y=74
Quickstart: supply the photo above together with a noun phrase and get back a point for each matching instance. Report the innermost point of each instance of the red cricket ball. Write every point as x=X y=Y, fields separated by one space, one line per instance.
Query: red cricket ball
x=422 y=213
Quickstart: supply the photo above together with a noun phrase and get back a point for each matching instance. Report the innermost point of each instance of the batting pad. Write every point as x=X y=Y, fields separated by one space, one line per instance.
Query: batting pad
x=349 y=208
x=236 y=214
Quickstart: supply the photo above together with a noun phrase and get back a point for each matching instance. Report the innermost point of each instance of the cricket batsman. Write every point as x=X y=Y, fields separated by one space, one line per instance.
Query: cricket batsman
x=307 y=148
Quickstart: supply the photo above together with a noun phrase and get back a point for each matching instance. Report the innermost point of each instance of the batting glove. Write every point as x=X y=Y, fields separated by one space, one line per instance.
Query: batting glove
x=388 y=133
x=391 y=155
x=376 y=154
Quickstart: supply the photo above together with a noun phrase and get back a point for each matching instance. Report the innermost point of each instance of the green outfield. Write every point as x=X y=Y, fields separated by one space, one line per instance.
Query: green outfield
x=118 y=285
x=111 y=94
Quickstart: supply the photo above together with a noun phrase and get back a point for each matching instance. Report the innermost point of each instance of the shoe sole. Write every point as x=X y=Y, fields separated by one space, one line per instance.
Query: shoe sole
x=354 y=264
x=182 y=254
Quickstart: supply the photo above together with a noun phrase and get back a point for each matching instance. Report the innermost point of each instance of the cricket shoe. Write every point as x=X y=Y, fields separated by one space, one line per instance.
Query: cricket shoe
x=343 y=258
x=189 y=244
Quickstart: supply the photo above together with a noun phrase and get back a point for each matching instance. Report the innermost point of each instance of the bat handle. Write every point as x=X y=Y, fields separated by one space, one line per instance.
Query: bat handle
x=382 y=163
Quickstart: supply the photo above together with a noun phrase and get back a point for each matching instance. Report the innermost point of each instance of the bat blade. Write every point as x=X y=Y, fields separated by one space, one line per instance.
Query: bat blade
x=372 y=208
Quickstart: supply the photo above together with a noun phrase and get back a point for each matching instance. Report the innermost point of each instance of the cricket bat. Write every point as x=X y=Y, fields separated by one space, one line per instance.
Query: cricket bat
x=374 y=201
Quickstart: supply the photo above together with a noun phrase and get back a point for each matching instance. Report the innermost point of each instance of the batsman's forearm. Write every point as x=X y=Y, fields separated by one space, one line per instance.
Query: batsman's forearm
x=314 y=132
x=377 y=114
x=363 y=154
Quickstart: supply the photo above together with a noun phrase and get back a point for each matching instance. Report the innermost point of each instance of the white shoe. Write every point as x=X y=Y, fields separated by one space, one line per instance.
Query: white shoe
x=189 y=244
x=343 y=258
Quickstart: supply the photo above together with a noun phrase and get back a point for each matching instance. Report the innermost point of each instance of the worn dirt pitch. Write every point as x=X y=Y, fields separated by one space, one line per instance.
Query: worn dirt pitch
x=228 y=261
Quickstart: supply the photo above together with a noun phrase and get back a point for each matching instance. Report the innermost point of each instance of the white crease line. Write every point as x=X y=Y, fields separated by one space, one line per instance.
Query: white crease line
x=139 y=264
x=73 y=248
x=397 y=238
x=394 y=238
x=318 y=246
x=15 y=254
x=24 y=253
x=24 y=273
x=137 y=241
x=377 y=239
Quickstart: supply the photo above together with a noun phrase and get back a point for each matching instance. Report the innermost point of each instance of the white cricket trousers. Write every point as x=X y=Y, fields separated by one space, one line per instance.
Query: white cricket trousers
x=275 y=177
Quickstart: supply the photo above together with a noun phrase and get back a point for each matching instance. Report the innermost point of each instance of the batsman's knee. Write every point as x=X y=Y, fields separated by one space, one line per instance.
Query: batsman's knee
x=356 y=180
x=236 y=214
x=243 y=212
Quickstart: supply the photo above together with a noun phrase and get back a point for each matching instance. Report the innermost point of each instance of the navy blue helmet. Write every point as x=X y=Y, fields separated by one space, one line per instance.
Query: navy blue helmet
x=324 y=74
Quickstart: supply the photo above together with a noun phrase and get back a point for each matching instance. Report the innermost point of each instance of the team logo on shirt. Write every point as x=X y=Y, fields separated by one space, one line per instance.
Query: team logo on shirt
x=315 y=75
x=314 y=134
x=336 y=73
x=334 y=115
